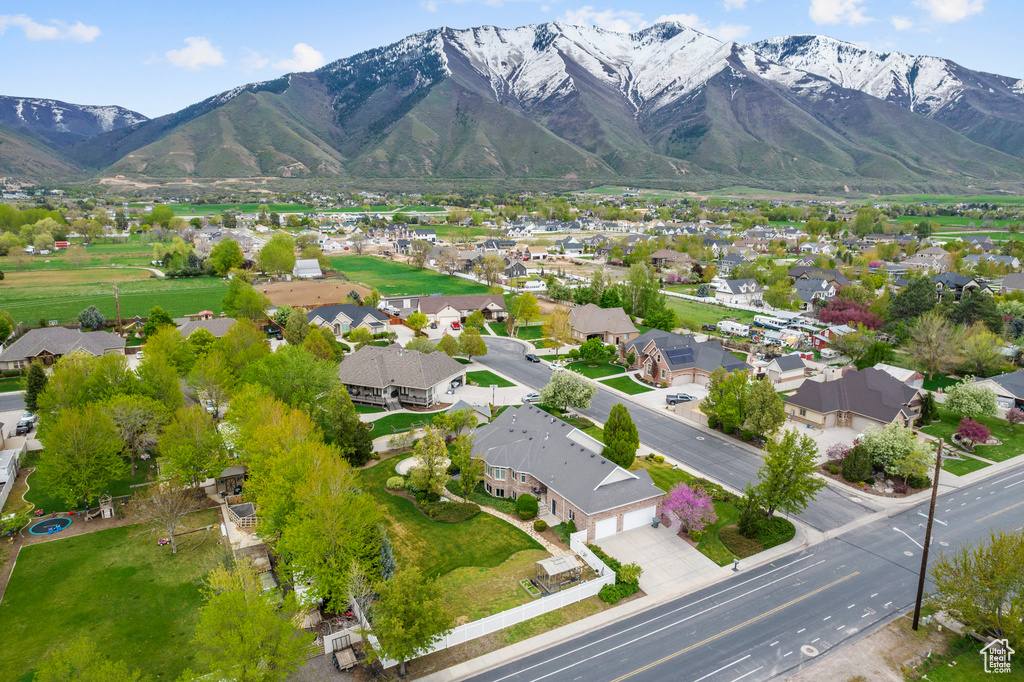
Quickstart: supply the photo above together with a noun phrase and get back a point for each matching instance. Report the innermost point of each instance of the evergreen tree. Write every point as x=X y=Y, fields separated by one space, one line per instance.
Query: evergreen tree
x=621 y=437
x=35 y=382
x=343 y=428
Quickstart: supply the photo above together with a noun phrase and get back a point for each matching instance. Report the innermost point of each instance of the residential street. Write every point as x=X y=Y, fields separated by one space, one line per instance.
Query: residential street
x=771 y=621
x=703 y=450
x=10 y=402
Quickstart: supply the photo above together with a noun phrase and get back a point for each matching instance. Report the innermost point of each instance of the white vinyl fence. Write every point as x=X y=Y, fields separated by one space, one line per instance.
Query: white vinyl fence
x=499 y=621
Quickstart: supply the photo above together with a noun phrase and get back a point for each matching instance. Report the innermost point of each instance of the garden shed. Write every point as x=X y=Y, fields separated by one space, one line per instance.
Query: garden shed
x=554 y=573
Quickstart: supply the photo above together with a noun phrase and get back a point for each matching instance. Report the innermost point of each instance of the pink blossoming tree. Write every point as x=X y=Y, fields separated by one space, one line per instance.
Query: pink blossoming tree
x=692 y=506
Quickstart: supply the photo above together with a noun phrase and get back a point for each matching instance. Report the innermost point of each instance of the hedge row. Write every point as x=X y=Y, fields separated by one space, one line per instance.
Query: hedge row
x=450 y=512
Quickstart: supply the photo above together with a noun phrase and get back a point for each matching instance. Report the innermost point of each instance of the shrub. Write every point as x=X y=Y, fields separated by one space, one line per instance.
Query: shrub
x=395 y=483
x=833 y=469
x=1015 y=416
x=900 y=488
x=451 y=512
x=574 y=354
x=526 y=506
x=712 y=423
x=629 y=573
x=746 y=435
x=968 y=429
x=453 y=469
x=659 y=459
x=540 y=525
x=649 y=456
x=919 y=481
x=696 y=535
x=563 y=530
x=837 y=451
x=433 y=497
x=857 y=464
x=421 y=498
x=869 y=480
x=613 y=593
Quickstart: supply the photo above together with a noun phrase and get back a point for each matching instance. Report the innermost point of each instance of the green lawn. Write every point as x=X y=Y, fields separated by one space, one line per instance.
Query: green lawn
x=135 y=600
x=476 y=592
x=440 y=548
x=10 y=384
x=400 y=421
x=40 y=495
x=596 y=370
x=626 y=385
x=368 y=409
x=531 y=333
x=1012 y=437
x=966 y=466
x=663 y=475
x=704 y=313
x=391 y=278
x=938 y=382
x=488 y=378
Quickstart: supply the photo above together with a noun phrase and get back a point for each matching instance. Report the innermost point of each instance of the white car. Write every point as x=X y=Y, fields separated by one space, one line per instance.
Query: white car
x=531 y=398
x=28 y=417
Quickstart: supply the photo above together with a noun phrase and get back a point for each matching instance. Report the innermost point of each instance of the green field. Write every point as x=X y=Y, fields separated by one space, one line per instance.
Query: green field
x=131 y=253
x=61 y=295
x=135 y=600
x=40 y=496
x=1005 y=200
x=10 y=384
x=704 y=313
x=626 y=385
x=217 y=209
x=400 y=421
x=399 y=279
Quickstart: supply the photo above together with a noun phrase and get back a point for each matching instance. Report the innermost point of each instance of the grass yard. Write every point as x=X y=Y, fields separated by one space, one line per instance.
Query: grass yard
x=440 y=548
x=626 y=385
x=965 y=466
x=488 y=378
x=391 y=278
x=62 y=294
x=705 y=313
x=368 y=409
x=135 y=600
x=939 y=382
x=531 y=333
x=474 y=592
x=40 y=495
x=663 y=475
x=400 y=421
x=596 y=370
x=10 y=384
x=1012 y=437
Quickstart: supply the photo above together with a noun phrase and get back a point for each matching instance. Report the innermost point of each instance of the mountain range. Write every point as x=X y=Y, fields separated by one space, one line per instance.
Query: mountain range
x=666 y=106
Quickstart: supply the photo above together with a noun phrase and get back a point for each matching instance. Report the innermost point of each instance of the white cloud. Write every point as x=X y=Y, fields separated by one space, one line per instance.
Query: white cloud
x=197 y=53
x=622 y=21
x=429 y=5
x=304 y=58
x=851 y=12
x=949 y=11
x=901 y=23
x=724 y=32
x=55 y=30
x=253 y=60
x=734 y=4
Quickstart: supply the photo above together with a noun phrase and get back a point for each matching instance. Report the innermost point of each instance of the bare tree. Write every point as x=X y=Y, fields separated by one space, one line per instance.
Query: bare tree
x=360 y=589
x=449 y=261
x=359 y=244
x=493 y=269
x=163 y=507
x=418 y=253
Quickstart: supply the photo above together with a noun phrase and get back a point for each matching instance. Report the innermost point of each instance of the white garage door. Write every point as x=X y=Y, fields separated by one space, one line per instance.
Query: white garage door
x=640 y=517
x=605 y=527
x=445 y=319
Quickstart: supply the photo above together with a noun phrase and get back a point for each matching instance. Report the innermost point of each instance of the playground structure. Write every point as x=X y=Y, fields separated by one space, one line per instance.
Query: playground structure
x=104 y=511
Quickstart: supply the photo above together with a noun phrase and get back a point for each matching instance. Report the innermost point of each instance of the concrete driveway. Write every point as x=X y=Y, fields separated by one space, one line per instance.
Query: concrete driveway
x=668 y=560
x=824 y=437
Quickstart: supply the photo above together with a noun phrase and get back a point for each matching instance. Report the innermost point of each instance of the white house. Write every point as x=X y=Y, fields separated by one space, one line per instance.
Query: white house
x=738 y=291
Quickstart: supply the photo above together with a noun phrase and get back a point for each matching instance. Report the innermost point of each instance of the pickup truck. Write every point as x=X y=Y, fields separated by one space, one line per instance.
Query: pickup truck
x=673 y=398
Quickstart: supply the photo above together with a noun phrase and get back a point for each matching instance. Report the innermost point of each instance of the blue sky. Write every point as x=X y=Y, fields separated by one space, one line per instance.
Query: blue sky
x=159 y=57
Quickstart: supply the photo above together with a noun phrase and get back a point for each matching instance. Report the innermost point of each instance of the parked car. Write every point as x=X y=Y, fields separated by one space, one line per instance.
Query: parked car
x=433 y=325
x=673 y=398
x=532 y=358
x=210 y=406
x=708 y=328
x=25 y=427
x=456 y=326
x=531 y=398
x=139 y=355
x=29 y=417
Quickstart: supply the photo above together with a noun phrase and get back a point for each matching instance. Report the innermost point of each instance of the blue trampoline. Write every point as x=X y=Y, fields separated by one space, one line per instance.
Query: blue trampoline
x=50 y=526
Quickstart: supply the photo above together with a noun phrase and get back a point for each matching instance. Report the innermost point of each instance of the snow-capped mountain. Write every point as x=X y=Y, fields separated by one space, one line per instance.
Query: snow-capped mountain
x=975 y=103
x=61 y=122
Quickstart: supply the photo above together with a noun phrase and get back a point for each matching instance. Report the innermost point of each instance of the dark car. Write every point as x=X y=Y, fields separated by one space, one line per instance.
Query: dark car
x=707 y=328
x=673 y=398
x=22 y=428
x=532 y=358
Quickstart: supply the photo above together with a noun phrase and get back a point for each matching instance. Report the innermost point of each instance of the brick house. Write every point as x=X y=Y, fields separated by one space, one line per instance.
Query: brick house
x=869 y=397
x=526 y=450
x=678 y=358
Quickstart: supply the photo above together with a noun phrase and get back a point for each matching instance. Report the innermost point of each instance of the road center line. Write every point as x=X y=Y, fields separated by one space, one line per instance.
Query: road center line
x=997 y=513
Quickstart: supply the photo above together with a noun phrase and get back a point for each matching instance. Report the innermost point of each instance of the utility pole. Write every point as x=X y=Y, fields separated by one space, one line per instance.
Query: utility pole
x=927 y=538
x=117 y=300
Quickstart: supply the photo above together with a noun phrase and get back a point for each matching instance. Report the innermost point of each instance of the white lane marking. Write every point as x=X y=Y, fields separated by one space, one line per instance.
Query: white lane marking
x=774 y=643
x=1007 y=478
x=866 y=614
x=665 y=627
x=873 y=596
x=851 y=606
x=815 y=640
x=840 y=627
x=786 y=654
x=1011 y=485
x=826 y=617
x=739 y=660
x=886 y=605
x=908 y=537
x=745 y=674
x=800 y=630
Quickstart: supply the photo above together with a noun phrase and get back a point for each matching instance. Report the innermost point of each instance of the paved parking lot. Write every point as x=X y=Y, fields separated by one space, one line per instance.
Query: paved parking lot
x=668 y=560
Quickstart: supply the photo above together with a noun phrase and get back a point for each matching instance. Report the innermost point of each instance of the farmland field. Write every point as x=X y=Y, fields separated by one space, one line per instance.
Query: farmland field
x=949 y=199
x=217 y=209
x=133 y=252
x=61 y=294
x=398 y=279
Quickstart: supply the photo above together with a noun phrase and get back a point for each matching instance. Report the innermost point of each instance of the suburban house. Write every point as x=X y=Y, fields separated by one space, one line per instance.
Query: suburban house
x=678 y=358
x=526 y=450
x=1009 y=388
x=516 y=269
x=48 y=344
x=424 y=235
x=344 y=317
x=811 y=289
x=956 y=284
x=857 y=400
x=668 y=258
x=975 y=259
x=570 y=246
x=910 y=377
x=611 y=325
x=738 y=291
x=307 y=268
x=1013 y=282
x=218 y=326
x=447 y=309
x=832 y=276
x=786 y=368
x=825 y=337
x=393 y=377
x=932 y=258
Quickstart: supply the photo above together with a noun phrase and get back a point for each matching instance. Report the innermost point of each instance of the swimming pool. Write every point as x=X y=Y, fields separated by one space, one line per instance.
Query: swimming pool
x=50 y=526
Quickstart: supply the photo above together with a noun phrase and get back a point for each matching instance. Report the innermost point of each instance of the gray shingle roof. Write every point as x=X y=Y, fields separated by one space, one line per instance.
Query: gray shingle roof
x=868 y=392
x=432 y=304
x=218 y=326
x=531 y=440
x=706 y=356
x=790 y=362
x=61 y=341
x=1011 y=381
x=378 y=367
x=355 y=313
x=590 y=319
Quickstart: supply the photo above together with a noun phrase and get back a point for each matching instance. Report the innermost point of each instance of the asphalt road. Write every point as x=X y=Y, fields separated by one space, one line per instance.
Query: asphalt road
x=773 y=620
x=714 y=455
x=10 y=402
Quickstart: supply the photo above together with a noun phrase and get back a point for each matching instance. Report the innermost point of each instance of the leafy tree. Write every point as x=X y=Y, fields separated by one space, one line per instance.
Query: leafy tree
x=410 y=616
x=641 y=288
x=786 y=480
x=975 y=306
x=242 y=345
x=159 y=380
x=157 y=317
x=692 y=506
x=980 y=350
x=857 y=463
x=449 y=345
x=592 y=349
x=558 y=329
x=933 y=344
x=471 y=469
x=82 y=456
x=138 y=420
x=354 y=297
x=567 y=389
x=856 y=293
x=780 y=295
x=970 y=399
x=431 y=454
x=917 y=298
x=981 y=586
x=242 y=301
x=421 y=344
x=297 y=327
x=620 y=437
x=201 y=342
x=764 y=409
x=80 y=660
x=35 y=383
x=163 y=507
x=661 y=317
x=191 y=447
x=523 y=308
x=278 y=254
x=892 y=447
x=168 y=343
x=320 y=342
x=471 y=343
x=419 y=250
x=91 y=318
x=245 y=632
x=282 y=314
x=726 y=399
x=417 y=321
x=6 y=321
x=226 y=256
x=294 y=375
x=475 y=320
x=924 y=229
x=372 y=299
x=848 y=312
x=1015 y=416
x=161 y=215
x=874 y=353
x=343 y=429
x=360 y=336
